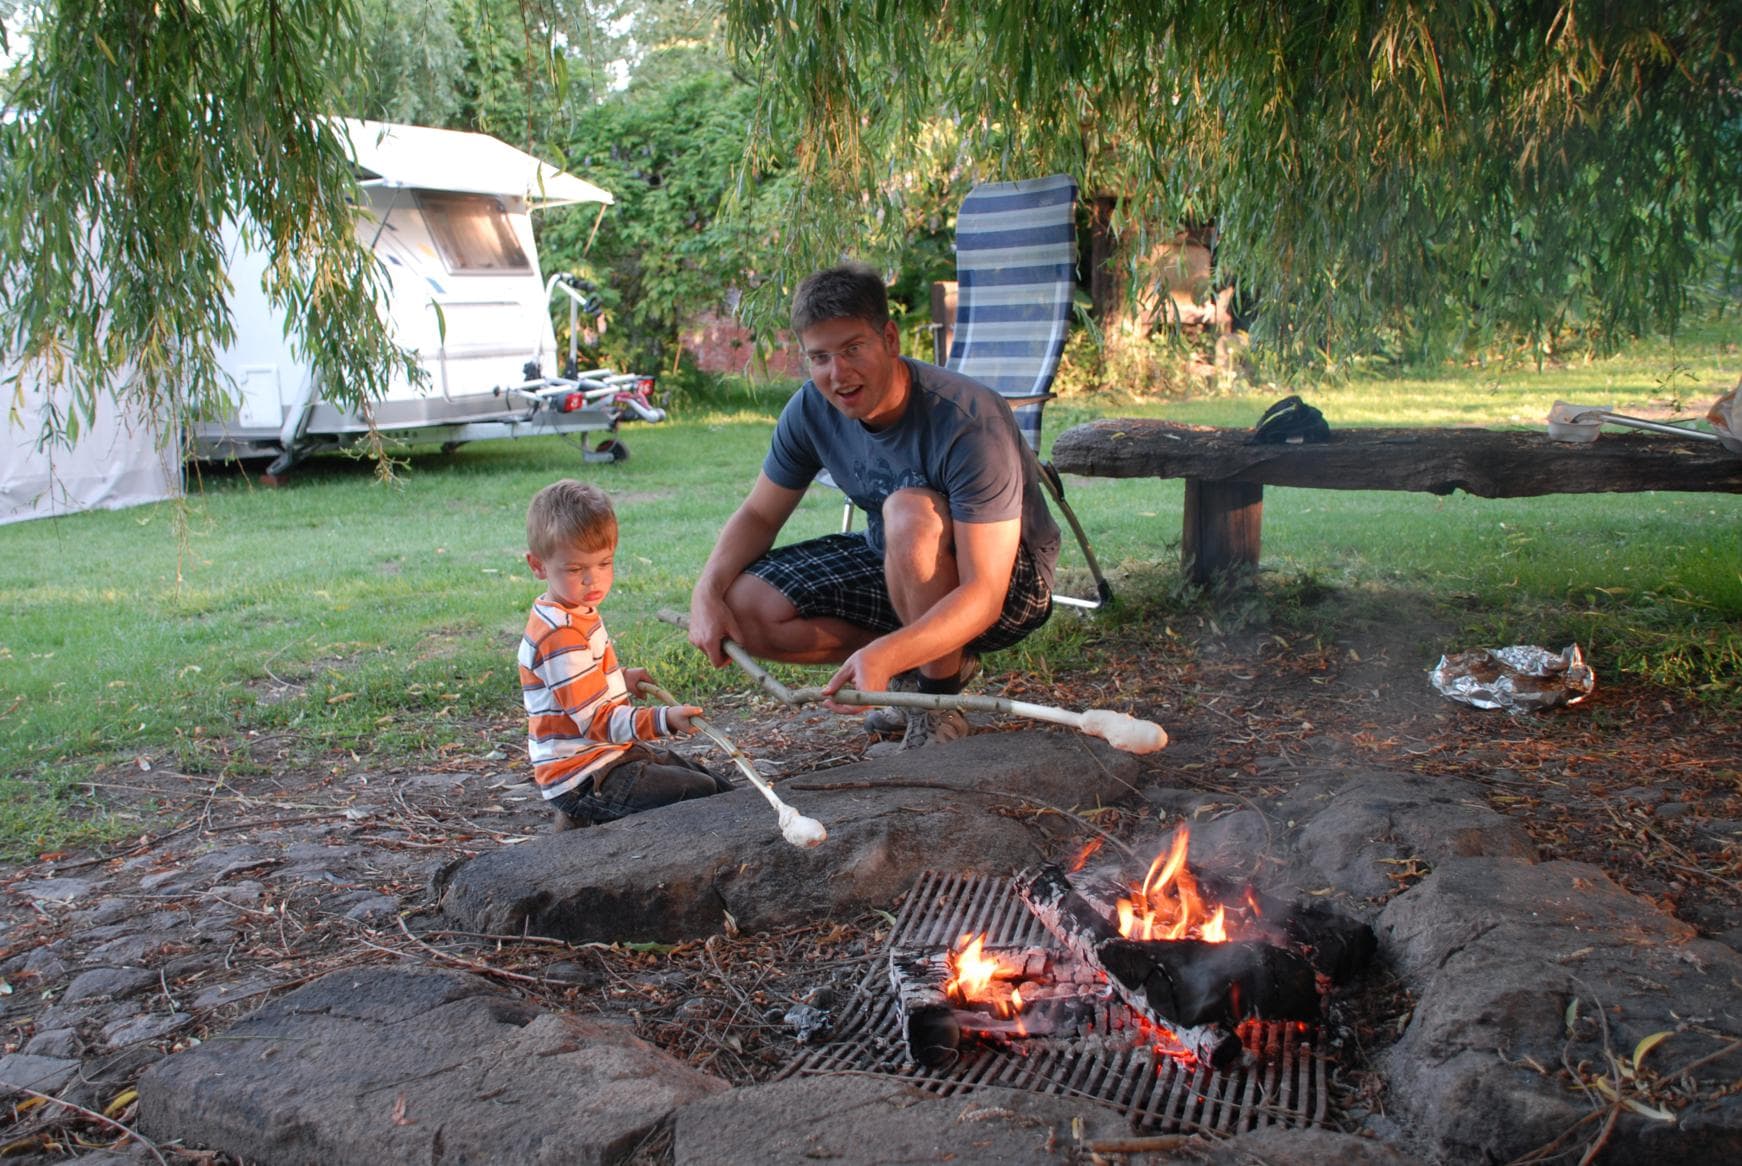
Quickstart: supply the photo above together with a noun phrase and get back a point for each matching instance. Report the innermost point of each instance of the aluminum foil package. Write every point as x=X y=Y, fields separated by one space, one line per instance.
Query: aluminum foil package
x=1519 y=679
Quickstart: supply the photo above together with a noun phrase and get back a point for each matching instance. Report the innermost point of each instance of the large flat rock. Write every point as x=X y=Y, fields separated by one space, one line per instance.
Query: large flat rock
x=1282 y=1146
x=408 y=1066
x=674 y=873
x=869 y=1121
x=1358 y=829
x=1521 y=970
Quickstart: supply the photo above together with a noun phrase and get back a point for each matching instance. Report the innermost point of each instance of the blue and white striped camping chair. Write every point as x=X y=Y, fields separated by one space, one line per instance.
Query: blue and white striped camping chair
x=1016 y=261
x=1016 y=258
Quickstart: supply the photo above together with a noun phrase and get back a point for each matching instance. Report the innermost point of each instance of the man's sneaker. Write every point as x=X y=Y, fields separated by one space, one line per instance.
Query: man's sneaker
x=934 y=727
x=887 y=720
x=925 y=727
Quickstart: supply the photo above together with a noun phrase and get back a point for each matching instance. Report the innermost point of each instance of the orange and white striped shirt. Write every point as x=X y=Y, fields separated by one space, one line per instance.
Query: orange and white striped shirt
x=579 y=716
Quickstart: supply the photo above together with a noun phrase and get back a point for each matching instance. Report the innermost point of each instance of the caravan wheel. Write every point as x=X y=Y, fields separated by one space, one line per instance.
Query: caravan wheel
x=613 y=449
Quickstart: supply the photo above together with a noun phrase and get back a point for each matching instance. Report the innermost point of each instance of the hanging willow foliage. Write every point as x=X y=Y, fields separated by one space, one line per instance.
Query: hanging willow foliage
x=1421 y=169
x=134 y=133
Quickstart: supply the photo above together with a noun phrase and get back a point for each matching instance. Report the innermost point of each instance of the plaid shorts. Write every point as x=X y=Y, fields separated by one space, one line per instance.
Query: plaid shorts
x=841 y=575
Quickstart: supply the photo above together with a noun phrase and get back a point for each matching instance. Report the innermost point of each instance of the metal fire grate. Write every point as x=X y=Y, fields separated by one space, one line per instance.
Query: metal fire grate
x=1284 y=1084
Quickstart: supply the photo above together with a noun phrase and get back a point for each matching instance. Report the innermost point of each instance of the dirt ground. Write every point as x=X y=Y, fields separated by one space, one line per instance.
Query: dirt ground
x=238 y=889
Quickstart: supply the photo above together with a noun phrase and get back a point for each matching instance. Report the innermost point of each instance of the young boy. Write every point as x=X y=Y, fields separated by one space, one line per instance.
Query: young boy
x=586 y=740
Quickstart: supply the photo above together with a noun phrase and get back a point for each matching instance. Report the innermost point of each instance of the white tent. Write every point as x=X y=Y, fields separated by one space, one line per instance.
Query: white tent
x=118 y=460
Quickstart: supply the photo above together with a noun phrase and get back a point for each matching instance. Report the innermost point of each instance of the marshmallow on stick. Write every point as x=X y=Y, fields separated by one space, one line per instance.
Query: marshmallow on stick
x=794 y=826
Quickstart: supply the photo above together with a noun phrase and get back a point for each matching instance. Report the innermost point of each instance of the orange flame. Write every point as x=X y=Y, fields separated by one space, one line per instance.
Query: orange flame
x=1168 y=904
x=974 y=976
x=972 y=970
x=1089 y=850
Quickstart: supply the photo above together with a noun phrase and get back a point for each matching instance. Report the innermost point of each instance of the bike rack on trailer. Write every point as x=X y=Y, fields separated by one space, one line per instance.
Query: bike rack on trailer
x=573 y=404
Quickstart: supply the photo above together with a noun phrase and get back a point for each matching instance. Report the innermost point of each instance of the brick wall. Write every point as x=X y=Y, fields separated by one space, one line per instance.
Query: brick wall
x=721 y=344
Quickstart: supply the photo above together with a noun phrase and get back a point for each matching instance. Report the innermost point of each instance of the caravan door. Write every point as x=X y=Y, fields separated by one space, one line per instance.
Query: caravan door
x=466 y=290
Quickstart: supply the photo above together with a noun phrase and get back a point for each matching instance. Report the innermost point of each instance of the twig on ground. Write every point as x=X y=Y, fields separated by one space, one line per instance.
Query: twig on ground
x=254 y=822
x=133 y=852
x=457 y=960
x=150 y=1146
x=1702 y=1062
x=543 y=940
x=1616 y=1084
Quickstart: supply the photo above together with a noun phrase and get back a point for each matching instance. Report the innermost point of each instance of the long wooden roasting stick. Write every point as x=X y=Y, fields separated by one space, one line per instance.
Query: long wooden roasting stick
x=794 y=826
x=1120 y=730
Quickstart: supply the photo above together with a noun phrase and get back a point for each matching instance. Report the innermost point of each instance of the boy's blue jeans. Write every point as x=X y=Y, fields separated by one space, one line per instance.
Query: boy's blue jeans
x=645 y=777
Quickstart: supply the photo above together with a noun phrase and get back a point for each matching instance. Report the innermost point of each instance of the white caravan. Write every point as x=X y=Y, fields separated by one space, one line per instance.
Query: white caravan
x=449 y=215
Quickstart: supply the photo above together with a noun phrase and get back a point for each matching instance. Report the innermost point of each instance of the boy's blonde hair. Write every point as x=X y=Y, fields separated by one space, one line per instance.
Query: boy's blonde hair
x=570 y=514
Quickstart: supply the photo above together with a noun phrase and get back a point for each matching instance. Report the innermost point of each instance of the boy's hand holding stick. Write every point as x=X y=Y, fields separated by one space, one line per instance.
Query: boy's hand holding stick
x=794 y=826
x=1120 y=730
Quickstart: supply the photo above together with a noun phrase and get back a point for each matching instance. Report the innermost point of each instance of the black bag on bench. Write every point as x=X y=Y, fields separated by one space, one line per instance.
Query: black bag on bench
x=1290 y=421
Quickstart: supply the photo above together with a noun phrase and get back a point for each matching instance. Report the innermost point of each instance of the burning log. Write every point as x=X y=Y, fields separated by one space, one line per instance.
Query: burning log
x=1336 y=945
x=1045 y=1000
x=1195 y=983
x=1132 y=971
x=929 y=1026
x=1270 y=977
x=1190 y=959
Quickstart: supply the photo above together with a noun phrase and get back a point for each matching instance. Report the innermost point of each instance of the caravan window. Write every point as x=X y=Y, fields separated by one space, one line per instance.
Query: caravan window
x=473 y=232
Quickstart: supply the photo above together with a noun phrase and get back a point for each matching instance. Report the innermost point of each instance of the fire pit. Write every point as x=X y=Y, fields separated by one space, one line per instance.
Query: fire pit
x=1181 y=1004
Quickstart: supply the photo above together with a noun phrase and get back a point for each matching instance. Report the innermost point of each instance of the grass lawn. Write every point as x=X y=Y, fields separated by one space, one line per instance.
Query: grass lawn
x=340 y=614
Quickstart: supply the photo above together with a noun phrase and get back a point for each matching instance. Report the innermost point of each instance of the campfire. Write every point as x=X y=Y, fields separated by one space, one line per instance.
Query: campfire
x=1171 y=962
x=1168 y=905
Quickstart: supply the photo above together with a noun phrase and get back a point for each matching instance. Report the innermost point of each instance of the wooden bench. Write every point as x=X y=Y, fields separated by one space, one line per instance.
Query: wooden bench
x=1225 y=477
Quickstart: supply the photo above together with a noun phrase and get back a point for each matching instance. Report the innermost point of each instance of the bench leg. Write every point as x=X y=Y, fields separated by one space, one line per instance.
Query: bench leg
x=1221 y=531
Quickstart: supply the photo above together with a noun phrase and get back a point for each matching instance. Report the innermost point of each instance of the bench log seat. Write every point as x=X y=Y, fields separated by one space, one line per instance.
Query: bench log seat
x=1225 y=477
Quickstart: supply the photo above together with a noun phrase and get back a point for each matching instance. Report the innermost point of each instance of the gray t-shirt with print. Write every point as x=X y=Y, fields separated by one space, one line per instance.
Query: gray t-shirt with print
x=957 y=437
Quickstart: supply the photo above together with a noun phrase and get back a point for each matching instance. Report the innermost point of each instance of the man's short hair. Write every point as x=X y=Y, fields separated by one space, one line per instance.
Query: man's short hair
x=570 y=514
x=849 y=291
